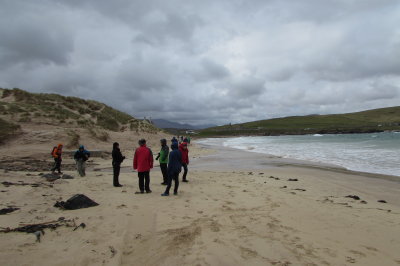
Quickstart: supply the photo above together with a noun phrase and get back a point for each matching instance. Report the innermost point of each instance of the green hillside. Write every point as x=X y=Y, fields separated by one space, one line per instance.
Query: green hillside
x=376 y=120
x=19 y=107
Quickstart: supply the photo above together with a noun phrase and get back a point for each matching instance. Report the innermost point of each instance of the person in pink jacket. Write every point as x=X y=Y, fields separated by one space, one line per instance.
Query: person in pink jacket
x=142 y=163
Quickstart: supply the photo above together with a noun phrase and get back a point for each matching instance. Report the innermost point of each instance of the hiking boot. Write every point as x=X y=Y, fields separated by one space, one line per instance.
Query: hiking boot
x=119 y=185
x=185 y=180
x=163 y=183
x=175 y=193
x=164 y=194
x=148 y=191
x=139 y=192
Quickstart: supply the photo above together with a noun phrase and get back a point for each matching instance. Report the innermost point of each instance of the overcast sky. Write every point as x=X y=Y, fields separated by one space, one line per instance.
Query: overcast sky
x=208 y=61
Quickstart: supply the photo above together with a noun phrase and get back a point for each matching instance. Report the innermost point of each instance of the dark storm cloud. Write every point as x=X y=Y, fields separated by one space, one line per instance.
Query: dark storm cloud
x=209 y=61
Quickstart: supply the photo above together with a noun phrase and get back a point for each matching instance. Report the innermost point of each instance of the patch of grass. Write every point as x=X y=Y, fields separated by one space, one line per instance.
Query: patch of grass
x=100 y=135
x=7 y=130
x=73 y=139
x=361 y=122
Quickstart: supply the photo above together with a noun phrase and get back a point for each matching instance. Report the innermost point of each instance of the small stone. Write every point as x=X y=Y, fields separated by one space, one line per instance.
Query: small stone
x=355 y=197
x=382 y=201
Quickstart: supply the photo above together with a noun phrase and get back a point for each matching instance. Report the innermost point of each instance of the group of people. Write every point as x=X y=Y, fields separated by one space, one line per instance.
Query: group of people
x=80 y=157
x=171 y=164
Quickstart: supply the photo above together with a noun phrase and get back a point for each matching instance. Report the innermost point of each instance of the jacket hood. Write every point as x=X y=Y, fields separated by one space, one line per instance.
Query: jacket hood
x=174 y=146
x=59 y=146
x=115 y=145
x=81 y=147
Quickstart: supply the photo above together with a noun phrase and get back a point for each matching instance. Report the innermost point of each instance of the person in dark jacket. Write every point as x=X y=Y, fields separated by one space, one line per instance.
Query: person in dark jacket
x=174 y=168
x=163 y=159
x=81 y=156
x=117 y=159
x=185 y=159
x=143 y=162
x=174 y=140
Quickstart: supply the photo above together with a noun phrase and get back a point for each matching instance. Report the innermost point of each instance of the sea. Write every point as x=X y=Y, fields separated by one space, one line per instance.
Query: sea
x=373 y=153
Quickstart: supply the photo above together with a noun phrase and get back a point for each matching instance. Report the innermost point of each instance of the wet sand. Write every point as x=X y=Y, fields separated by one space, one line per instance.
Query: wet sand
x=239 y=208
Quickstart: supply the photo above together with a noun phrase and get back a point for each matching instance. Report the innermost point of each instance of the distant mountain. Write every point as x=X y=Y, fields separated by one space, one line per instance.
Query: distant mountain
x=376 y=120
x=162 y=123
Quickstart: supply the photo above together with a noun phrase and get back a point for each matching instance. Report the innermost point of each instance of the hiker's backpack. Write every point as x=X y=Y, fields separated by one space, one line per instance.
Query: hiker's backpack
x=53 y=151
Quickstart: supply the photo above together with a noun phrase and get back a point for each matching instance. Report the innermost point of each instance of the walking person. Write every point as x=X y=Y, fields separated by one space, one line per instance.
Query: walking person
x=185 y=159
x=174 y=168
x=117 y=159
x=174 y=140
x=57 y=155
x=81 y=156
x=163 y=159
x=143 y=162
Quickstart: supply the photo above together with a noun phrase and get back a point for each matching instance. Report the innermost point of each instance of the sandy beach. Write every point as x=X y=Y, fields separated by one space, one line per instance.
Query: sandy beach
x=239 y=208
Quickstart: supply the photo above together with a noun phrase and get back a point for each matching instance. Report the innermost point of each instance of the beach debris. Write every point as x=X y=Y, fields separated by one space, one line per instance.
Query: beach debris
x=300 y=189
x=77 y=201
x=284 y=187
x=272 y=177
x=382 y=201
x=260 y=173
x=51 y=177
x=65 y=176
x=293 y=179
x=32 y=228
x=353 y=197
x=83 y=225
x=21 y=183
x=38 y=234
x=7 y=210
x=250 y=173
x=277 y=178
x=363 y=202
x=113 y=251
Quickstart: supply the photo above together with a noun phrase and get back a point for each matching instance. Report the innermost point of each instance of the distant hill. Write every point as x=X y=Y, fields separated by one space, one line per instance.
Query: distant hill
x=162 y=123
x=20 y=108
x=376 y=120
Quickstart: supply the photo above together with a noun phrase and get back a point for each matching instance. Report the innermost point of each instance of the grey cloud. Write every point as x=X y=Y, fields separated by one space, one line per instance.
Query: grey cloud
x=209 y=61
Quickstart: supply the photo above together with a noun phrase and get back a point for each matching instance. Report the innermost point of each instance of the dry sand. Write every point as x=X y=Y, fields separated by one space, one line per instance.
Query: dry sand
x=232 y=212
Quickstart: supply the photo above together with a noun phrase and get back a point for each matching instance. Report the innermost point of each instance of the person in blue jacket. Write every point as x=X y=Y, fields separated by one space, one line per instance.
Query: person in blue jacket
x=81 y=156
x=174 y=168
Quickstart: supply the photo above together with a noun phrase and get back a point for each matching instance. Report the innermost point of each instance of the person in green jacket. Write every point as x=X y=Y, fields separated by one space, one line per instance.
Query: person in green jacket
x=163 y=159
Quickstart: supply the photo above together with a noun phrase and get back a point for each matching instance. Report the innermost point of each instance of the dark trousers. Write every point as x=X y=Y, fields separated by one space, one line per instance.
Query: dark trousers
x=175 y=177
x=57 y=165
x=144 y=181
x=185 y=171
x=164 y=168
x=116 y=168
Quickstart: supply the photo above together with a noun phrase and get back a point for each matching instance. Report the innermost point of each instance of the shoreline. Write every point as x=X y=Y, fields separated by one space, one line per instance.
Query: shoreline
x=293 y=162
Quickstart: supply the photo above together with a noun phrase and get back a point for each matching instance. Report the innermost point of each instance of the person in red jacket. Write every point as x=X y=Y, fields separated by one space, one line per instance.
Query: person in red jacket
x=143 y=162
x=185 y=159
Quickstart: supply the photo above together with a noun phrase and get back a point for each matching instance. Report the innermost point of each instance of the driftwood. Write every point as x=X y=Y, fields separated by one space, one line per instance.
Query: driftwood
x=7 y=210
x=39 y=227
x=7 y=184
